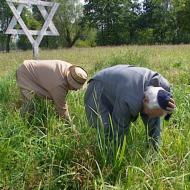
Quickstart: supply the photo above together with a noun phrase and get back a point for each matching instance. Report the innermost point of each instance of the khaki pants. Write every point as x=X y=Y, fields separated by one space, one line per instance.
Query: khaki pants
x=27 y=97
x=28 y=102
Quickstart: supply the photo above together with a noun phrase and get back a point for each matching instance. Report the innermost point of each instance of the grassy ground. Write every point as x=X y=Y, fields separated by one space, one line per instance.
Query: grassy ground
x=48 y=154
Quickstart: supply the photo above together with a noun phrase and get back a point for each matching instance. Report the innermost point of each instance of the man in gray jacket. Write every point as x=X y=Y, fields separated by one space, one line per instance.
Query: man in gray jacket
x=115 y=96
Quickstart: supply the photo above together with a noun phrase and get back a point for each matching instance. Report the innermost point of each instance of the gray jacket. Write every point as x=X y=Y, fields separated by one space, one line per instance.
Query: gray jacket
x=123 y=86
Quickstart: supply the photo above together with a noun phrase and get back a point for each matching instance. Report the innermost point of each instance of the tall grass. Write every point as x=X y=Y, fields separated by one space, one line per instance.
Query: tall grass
x=47 y=153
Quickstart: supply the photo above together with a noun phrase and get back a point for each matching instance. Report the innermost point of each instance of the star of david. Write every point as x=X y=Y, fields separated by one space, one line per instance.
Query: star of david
x=30 y=33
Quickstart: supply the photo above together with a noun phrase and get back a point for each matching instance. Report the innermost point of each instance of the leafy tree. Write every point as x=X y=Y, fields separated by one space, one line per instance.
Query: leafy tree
x=32 y=23
x=156 y=17
x=69 y=21
x=133 y=20
x=46 y=41
x=5 y=18
x=114 y=19
x=181 y=12
x=88 y=38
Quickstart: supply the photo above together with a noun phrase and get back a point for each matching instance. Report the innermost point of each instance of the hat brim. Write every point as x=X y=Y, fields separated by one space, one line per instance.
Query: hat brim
x=72 y=82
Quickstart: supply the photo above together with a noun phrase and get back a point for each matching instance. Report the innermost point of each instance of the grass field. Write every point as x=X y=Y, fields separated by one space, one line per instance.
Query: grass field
x=48 y=154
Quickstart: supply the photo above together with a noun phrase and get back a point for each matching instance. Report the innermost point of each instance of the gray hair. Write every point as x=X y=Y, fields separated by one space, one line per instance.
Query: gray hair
x=151 y=96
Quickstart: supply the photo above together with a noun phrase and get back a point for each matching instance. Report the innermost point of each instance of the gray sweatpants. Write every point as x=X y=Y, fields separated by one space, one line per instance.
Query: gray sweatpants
x=98 y=109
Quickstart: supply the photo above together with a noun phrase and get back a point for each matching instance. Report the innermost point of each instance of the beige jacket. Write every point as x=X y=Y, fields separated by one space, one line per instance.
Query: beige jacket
x=46 y=78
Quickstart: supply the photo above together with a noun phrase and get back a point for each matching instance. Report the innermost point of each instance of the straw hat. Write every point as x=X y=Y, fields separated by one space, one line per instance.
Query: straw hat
x=76 y=77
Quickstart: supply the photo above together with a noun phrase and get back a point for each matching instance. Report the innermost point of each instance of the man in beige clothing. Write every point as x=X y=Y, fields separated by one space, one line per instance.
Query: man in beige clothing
x=51 y=79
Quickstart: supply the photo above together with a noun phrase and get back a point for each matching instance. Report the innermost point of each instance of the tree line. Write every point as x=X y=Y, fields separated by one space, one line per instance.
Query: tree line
x=105 y=22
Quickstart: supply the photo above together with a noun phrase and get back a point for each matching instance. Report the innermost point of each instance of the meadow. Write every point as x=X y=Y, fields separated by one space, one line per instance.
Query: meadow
x=47 y=153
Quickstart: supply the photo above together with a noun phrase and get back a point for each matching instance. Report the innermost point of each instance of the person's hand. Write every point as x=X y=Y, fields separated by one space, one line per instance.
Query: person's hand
x=171 y=105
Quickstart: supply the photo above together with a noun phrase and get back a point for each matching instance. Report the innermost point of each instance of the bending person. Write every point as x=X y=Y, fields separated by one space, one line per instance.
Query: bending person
x=115 y=96
x=51 y=79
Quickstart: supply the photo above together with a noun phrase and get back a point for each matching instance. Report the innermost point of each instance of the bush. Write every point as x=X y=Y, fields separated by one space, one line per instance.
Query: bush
x=85 y=43
x=23 y=43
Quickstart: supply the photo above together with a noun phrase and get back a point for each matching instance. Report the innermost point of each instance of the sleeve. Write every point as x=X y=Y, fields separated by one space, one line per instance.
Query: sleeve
x=59 y=97
x=159 y=81
x=121 y=118
x=153 y=129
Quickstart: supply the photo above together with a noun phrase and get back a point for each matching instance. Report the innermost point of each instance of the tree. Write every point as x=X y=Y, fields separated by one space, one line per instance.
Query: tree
x=114 y=19
x=5 y=18
x=181 y=12
x=32 y=24
x=157 y=17
x=69 y=21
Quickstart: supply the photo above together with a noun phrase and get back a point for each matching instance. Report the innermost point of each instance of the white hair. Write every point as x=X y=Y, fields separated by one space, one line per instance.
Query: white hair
x=151 y=97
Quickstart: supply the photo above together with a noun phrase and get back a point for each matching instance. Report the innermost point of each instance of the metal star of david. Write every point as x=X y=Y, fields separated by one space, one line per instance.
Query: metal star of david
x=30 y=33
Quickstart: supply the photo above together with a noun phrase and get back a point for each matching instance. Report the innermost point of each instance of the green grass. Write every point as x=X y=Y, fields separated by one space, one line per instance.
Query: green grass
x=49 y=154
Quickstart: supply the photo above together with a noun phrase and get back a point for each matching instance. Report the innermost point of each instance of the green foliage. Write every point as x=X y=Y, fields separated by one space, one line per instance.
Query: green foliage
x=5 y=18
x=88 y=39
x=132 y=22
x=69 y=22
x=114 y=20
x=32 y=24
x=108 y=22
x=23 y=43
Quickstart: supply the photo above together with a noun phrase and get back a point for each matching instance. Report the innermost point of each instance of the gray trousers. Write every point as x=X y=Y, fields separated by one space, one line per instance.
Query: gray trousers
x=98 y=109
